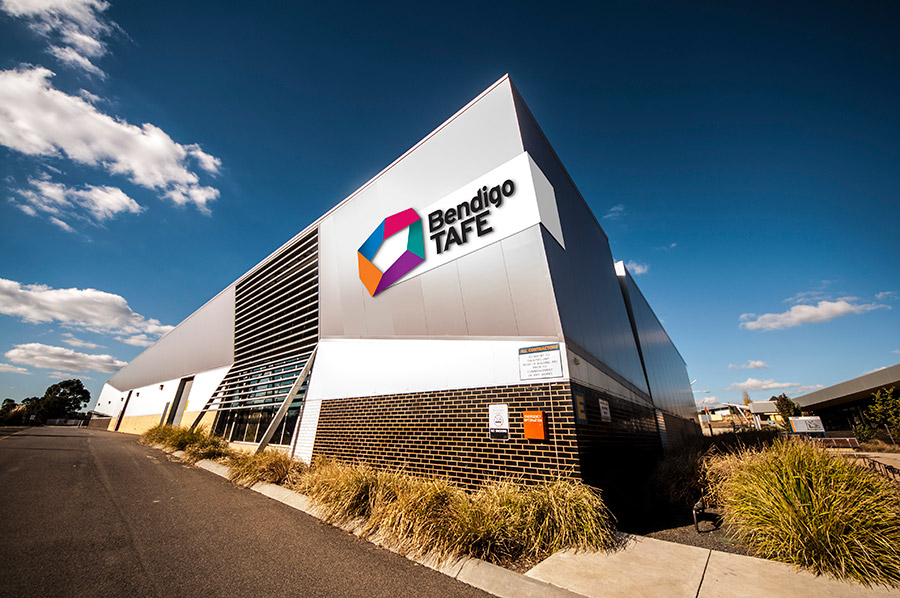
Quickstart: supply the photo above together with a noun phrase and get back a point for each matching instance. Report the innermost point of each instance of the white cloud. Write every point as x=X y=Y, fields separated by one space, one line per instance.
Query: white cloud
x=886 y=295
x=38 y=120
x=73 y=58
x=808 y=314
x=90 y=203
x=751 y=364
x=615 y=213
x=62 y=359
x=707 y=402
x=754 y=384
x=86 y=309
x=897 y=351
x=884 y=367
x=62 y=224
x=66 y=376
x=636 y=268
x=12 y=369
x=137 y=340
x=72 y=341
x=75 y=28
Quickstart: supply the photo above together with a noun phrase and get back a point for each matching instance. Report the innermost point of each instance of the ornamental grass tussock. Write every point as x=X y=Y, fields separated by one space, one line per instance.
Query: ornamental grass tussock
x=799 y=504
x=196 y=444
x=502 y=522
x=270 y=466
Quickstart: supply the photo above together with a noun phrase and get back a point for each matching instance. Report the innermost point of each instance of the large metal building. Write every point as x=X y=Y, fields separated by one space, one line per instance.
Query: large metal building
x=460 y=314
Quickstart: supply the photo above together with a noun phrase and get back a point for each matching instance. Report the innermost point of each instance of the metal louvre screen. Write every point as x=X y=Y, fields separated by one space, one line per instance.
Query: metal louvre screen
x=276 y=328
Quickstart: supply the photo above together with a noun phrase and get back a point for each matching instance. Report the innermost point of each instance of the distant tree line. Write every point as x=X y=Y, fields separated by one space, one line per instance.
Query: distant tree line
x=61 y=400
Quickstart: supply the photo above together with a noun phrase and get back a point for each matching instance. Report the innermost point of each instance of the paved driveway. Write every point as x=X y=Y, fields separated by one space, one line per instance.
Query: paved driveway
x=93 y=513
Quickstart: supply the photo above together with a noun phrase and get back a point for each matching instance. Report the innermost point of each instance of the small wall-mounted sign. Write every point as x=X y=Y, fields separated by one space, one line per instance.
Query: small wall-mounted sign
x=605 y=414
x=498 y=418
x=539 y=362
x=535 y=428
x=580 y=409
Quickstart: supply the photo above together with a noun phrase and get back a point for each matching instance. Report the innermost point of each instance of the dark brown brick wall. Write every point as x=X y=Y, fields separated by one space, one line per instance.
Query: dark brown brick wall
x=445 y=433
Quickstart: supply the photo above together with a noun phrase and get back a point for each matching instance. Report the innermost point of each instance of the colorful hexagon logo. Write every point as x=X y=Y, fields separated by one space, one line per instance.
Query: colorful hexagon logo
x=374 y=279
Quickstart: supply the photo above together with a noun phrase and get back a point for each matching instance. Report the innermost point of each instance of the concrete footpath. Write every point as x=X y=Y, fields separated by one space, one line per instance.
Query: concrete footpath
x=646 y=567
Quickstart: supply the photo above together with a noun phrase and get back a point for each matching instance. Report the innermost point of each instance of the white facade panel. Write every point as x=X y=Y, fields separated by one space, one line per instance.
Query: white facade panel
x=360 y=368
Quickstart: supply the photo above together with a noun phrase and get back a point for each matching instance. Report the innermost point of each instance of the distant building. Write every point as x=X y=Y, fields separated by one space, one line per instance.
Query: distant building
x=460 y=314
x=840 y=405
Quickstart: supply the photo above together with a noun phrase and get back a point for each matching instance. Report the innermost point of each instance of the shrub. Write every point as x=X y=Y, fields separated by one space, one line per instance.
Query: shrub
x=274 y=467
x=181 y=438
x=346 y=491
x=208 y=447
x=863 y=431
x=799 y=504
x=157 y=435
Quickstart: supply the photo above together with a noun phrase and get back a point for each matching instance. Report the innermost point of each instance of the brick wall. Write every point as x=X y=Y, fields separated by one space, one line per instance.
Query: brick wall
x=446 y=433
x=620 y=456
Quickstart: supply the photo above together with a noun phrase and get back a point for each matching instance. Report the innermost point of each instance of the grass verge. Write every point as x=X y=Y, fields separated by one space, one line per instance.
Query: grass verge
x=799 y=504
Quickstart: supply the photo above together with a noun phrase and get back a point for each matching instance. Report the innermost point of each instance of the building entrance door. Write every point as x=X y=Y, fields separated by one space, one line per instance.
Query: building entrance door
x=180 y=402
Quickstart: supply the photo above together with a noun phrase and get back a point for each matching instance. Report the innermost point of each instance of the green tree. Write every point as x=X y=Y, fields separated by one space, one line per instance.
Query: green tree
x=60 y=400
x=7 y=406
x=786 y=409
x=885 y=411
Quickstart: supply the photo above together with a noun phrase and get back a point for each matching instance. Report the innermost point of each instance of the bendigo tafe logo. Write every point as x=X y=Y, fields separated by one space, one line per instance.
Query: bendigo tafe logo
x=374 y=279
x=452 y=225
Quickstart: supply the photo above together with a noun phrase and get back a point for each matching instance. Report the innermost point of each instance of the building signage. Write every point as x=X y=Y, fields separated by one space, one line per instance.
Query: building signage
x=807 y=425
x=542 y=361
x=605 y=413
x=496 y=205
x=498 y=422
x=535 y=429
x=580 y=408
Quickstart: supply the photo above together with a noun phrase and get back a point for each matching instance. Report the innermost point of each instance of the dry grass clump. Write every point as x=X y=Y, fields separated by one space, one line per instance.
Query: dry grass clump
x=501 y=522
x=796 y=503
x=208 y=447
x=157 y=435
x=196 y=444
x=274 y=467
x=878 y=446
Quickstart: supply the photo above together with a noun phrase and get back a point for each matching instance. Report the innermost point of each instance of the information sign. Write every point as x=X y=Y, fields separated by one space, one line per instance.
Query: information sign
x=807 y=425
x=542 y=361
x=605 y=414
x=498 y=421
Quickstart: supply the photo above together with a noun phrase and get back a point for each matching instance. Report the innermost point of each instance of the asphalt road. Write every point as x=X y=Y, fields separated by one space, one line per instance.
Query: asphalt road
x=93 y=513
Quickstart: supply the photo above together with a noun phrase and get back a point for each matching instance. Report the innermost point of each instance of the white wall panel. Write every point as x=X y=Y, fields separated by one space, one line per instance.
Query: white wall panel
x=360 y=368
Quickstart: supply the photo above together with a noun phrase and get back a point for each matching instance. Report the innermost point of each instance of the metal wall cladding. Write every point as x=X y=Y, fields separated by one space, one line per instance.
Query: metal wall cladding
x=276 y=326
x=501 y=290
x=670 y=386
x=203 y=341
x=590 y=303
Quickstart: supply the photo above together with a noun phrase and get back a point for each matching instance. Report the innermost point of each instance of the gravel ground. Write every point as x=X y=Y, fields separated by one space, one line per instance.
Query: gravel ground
x=712 y=535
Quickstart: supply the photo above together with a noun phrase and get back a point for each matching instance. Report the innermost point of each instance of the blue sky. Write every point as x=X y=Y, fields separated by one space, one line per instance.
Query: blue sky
x=742 y=157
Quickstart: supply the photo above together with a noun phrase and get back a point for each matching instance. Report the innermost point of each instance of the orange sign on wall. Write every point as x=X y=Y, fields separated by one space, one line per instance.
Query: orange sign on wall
x=534 y=425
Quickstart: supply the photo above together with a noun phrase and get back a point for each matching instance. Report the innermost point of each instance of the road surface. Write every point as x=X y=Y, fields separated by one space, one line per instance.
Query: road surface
x=93 y=513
